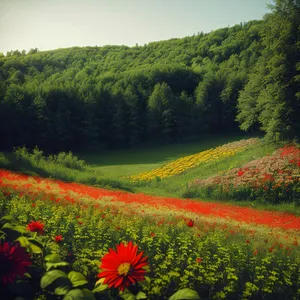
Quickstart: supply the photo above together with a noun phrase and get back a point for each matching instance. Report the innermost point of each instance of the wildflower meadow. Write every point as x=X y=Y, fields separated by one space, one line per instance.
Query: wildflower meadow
x=274 y=178
x=70 y=241
x=182 y=164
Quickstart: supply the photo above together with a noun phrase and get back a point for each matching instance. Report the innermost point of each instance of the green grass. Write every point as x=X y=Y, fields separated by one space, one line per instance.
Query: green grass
x=119 y=163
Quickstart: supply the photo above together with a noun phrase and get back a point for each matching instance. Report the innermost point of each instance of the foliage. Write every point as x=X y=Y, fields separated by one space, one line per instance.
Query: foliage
x=36 y=158
x=46 y=272
x=117 y=96
x=64 y=166
x=243 y=76
x=270 y=99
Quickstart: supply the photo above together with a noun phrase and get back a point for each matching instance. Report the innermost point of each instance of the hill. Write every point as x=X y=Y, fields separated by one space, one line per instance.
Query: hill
x=243 y=77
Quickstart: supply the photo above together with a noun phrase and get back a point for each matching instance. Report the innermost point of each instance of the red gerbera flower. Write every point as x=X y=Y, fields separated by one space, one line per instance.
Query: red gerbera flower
x=58 y=238
x=36 y=227
x=13 y=261
x=190 y=223
x=123 y=267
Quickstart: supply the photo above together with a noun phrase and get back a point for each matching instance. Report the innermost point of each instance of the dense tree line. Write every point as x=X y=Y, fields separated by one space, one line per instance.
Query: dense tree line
x=244 y=76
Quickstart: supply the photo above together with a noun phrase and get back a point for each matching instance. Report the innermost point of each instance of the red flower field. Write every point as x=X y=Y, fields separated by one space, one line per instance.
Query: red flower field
x=71 y=192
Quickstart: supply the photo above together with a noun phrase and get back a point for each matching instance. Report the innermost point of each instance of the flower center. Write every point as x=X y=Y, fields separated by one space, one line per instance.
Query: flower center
x=124 y=268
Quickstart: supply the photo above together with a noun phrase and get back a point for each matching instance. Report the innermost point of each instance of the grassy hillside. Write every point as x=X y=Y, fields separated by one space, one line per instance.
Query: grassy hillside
x=115 y=169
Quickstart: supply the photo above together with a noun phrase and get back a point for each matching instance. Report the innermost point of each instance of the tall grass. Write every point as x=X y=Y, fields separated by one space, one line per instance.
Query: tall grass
x=63 y=166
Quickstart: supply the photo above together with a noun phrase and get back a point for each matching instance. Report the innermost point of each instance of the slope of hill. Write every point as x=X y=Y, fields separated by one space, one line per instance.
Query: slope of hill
x=119 y=96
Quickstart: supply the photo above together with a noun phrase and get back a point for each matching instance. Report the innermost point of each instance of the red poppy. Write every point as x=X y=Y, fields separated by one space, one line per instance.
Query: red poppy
x=123 y=267
x=190 y=223
x=58 y=238
x=13 y=261
x=240 y=173
x=152 y=234
x=198 y=260
x=36 y=227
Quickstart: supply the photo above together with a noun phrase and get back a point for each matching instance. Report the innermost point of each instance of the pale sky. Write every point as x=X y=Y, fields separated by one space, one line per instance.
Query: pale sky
x=52 y=24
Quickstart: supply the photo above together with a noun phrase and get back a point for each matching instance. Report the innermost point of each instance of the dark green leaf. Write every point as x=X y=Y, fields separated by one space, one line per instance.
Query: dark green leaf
x=185 y=294
x=8 y=219
x=36 y=242
x=51 y=276
x=75 y=294
x=88 y=295
x=61 y=290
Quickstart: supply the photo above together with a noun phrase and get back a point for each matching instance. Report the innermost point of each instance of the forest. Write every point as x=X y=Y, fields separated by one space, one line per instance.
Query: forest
x=244 y=77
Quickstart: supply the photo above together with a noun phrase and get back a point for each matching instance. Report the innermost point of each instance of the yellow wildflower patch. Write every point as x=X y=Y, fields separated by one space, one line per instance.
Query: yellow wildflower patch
x=182 y=164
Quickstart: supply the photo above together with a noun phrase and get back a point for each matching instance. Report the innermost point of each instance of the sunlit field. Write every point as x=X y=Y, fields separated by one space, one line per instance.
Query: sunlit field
x=78 y=236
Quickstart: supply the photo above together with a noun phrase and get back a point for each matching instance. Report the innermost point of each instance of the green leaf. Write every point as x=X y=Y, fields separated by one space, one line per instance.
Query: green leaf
x=51 y=276
x=24 y=241
x=11 y=231
x=36 y=242
x=8 y=219
x=185 y=294
x=100 y=288
x=100 y=281
x=127 y=295
x=50 y=265
x=27 y=275
x=53 y=258
x=141 y=295
x=61 y=290
x=88 y=295
x=75 y=294
x=77 y=279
